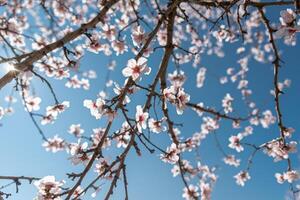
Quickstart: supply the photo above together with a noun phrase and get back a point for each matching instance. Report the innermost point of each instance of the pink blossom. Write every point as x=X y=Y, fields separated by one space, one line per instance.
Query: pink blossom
x=206 y=190
x=231 y=160
x=48 y=188
x=177 y=79
x=201 y=77
x=33 y=103
x=97 y=136
x=135 y=68
x=138 y=35
x=58 y=108
x=78 y=154
x=119 y=47
x=73 y=82
x=242 y=177
x=76 y=130
x=141 y=118
x=190 y=193
x=54 y=144
x=235 y=142
x=171 y=155
x=101 y=166
x=178 y=97
x=96 y=108
x=156 y=125
x=289 y=176
x=227 y=103
x=287 y=16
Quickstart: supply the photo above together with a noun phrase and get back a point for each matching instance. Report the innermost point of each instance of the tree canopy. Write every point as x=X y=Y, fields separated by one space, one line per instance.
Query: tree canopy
x=200 y=85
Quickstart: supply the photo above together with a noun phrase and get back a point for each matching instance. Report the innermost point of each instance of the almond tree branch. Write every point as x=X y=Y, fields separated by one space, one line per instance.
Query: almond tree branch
x=37 y=55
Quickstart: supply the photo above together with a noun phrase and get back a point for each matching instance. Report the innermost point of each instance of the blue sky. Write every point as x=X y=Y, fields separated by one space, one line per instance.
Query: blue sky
x=148 y=177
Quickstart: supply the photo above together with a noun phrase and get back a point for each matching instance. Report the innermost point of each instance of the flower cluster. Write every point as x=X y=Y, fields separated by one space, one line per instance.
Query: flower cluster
x=279 y=150
x=177 y=96
x=289 y=176
x=53 y=111
x=48 y=188
x=288 y=26
x=54 y=144
x=98 y=108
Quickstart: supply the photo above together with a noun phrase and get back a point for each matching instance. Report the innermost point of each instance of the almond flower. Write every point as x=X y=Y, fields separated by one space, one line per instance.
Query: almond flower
x=119 y=47
x=53 y=111
x=288 y=28
x=33 y=103
x=235 y=142
x=118 y=90
x=76 y=130
x=156 y=125
x=190 y=193
x=279 y=150
x=97 y=137
x=209 y=125
x=109 y=32
x=48 y=119
x=54 y=144
x=227 y=103
x=93 y=44
x=177 y=78
x=96 y=108
x=101 y=166
x=287 y=32
x=289 y=176
x=287 y=17
x=78 y=154
x=85 y=83
x=58 y=108
x=175 y=170
x=201 y=77
x=135 y=68
x=178 y=97
x=123 y=137
x=141 y=118
x=138 y=35
x=242 y=177
x=231 y=160
x=73 y=82
x=280 y=178
x=205 y=189
x=171 y=155
x=48 y=188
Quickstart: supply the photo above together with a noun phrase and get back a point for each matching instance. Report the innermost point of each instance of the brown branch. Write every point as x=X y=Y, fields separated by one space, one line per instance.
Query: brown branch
x=37 y=55
x=125 y=182
x=216 y=113
x=247 y=3
x=17 y=181
x=121 y=166
x=90 y=163
x=18 y=178
x=277 y=91
x=276 y=64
